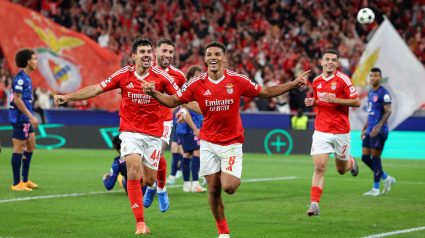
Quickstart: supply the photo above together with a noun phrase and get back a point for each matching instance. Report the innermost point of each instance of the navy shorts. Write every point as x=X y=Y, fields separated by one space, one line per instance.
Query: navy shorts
x=22 y=130
x=174 y=136
x=190 y=142
x=376 y=142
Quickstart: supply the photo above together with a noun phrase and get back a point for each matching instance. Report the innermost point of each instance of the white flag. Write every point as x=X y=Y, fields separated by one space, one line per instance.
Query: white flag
x=402 y=75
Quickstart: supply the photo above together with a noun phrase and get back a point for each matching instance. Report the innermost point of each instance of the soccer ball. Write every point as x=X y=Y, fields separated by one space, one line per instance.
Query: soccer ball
x=365 y=16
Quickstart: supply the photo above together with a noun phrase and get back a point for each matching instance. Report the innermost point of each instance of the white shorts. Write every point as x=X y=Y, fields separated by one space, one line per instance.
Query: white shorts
x=327 y=143
x=149 y=147
x=168 y=125
x=215 y=158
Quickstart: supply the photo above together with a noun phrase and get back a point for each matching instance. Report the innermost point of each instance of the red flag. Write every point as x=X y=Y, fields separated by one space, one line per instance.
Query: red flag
x=67 y=60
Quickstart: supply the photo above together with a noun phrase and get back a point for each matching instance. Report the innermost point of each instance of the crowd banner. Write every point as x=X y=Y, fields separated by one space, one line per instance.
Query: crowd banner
x=67 y=60
x=402 y=75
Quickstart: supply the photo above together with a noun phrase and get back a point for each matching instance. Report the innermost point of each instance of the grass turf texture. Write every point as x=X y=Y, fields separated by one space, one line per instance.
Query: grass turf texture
x=258 y=209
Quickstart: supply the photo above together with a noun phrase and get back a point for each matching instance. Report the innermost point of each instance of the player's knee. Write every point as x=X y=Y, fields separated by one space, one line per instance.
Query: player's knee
x=30 y=148
x=341 y=170
x=149 y=181
x=320 y=168
x=230 y=189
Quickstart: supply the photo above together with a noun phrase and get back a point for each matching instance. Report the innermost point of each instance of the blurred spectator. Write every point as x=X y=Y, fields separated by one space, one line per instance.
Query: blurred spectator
x=299 y=122
x=44 y=98
x=252 y=108
x=282 y=105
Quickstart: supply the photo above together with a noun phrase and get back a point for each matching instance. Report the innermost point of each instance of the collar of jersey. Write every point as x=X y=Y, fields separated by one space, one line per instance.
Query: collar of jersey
x=141 y=77
x=216 y=81
x=329 y=78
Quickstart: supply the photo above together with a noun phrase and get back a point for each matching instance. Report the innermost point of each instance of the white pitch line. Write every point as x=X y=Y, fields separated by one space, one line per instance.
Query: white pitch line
x=118 y=191
x=395 y=232
x=363 y=180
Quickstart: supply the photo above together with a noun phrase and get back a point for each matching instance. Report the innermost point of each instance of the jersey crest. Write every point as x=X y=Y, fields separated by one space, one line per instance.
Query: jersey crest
x=229 y=87
x=333 y=85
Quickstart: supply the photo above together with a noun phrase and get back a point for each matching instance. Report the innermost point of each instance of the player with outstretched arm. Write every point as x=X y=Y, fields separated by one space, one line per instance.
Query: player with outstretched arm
x=218 y=93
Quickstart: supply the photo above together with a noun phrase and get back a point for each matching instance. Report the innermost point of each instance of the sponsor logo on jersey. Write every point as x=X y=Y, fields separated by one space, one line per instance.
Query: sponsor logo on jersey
x=333 y=85
x=139 y=98
x=130 y=85
x=229 y=87
x=207 y=93
x=320 y=86
x=219 y=105
x=320 y=95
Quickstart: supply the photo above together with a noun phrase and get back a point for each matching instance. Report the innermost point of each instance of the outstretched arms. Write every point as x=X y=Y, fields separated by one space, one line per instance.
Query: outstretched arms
x=85 y=93
x=273 y=91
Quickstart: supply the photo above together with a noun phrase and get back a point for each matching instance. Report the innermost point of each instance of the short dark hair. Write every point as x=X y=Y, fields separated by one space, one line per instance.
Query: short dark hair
x=216 y=44
x=165 y=41
x=376 y=70
x=116 y=142
x=191 y=71
x=330 y=51
x=141 y=42
x=22 y=57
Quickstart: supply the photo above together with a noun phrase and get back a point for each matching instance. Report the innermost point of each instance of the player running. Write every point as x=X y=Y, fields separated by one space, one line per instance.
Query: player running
x=375 y=132
x=22 y=119
x=188 y=133
x=218 y=93
x=164 y=53
x=333 y=94
x=141 y=121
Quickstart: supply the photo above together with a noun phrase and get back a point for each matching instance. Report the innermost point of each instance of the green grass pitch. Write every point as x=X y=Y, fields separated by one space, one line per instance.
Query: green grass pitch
x=273 y=207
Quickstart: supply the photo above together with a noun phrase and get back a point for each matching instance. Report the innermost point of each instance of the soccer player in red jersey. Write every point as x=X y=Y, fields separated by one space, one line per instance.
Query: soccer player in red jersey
x=218 y=94
x=333 y=94
x=141 y=120
x=164 y=53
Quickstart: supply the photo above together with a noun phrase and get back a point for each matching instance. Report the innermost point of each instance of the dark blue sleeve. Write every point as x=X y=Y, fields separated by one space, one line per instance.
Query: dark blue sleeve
x=18 y=85
x=386 y=98
x=109 y=183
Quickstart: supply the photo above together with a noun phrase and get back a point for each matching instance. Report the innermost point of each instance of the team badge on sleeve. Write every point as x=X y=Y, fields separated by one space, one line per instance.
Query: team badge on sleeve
x=21 y=82
x=229 y=87
x=184 y=87
x=108 y=80
x=387 y=98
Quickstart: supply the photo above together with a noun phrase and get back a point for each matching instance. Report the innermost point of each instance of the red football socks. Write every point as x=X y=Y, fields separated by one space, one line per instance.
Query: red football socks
x=136 y=199
x=316 y=192
x=161 y=176
x=222 y=226
x=352 y=163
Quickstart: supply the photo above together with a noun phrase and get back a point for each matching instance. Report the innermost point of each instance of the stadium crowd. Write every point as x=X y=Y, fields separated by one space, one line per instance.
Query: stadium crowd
x=272 y=42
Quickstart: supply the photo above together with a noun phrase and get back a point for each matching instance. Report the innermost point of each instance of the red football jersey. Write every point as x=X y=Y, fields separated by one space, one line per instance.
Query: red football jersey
x=331 y=117
x=140 y=112
x=219 y=102
x=179 y=79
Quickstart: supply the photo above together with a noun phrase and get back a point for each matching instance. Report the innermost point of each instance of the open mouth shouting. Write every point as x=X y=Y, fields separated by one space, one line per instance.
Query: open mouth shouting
x=214 y=64
x=165 y=62
x=146 y=61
